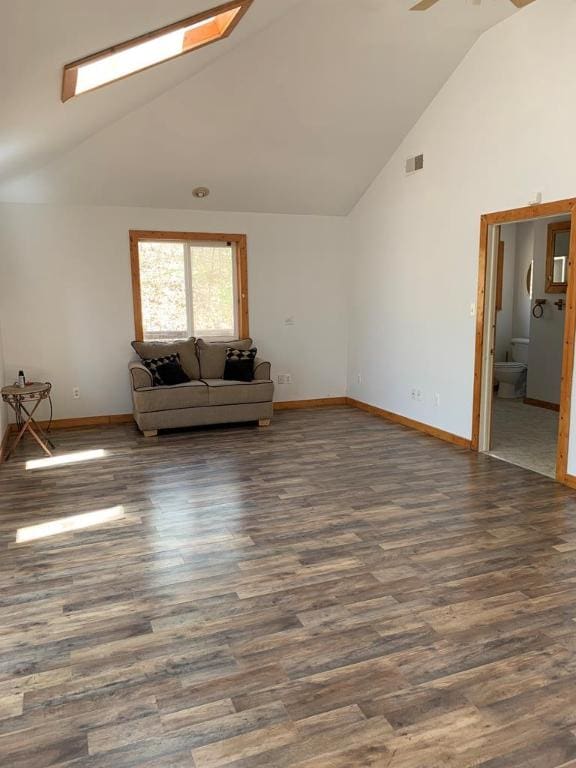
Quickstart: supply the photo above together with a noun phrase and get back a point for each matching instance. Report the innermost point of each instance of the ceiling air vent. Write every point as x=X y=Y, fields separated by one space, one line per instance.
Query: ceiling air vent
x=414 y=164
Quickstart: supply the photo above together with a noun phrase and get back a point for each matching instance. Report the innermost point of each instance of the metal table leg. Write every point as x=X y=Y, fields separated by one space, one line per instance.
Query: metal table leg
x=27 y=427
x=37 y=426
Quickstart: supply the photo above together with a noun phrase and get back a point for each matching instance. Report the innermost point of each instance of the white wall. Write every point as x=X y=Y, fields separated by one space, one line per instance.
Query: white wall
x=66 y=295
x=547 y=332
x=500 y=131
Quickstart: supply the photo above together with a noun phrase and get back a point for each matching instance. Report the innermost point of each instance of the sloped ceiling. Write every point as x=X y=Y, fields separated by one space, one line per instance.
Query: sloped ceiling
x=295 y=113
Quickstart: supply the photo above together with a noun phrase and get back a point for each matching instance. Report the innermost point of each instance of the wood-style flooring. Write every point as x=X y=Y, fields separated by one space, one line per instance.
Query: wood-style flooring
x=332 y=592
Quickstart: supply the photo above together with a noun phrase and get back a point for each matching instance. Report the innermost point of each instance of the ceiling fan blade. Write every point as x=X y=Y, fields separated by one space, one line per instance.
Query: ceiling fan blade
x=521 y=3
x=423 y=5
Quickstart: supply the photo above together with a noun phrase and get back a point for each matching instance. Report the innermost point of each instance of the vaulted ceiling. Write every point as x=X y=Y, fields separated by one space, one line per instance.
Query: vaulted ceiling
x=296 y=112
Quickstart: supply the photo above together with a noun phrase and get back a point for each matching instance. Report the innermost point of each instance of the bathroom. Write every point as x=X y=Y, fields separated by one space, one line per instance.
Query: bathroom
x=531 y=284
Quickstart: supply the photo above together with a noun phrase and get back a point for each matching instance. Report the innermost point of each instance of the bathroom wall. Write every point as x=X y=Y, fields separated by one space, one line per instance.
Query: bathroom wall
x=525 y=243
x=513 y=320
x=522 y=302
x=546 y=333
x=3 y=408
x=505 y=316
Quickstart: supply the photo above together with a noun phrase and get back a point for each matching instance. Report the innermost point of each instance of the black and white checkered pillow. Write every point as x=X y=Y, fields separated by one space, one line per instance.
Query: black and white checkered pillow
x=239 y=364
x=240 y=354
x=154 y=363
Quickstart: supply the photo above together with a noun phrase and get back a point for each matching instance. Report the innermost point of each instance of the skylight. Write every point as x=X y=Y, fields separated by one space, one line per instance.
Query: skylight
x=153 y=48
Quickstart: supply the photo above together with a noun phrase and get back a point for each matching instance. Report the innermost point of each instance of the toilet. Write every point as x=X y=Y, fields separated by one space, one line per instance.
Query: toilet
x=511 y=377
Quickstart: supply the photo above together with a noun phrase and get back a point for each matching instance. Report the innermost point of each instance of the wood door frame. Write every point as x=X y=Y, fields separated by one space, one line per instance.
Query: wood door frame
x=513 y=216
x=241 y=242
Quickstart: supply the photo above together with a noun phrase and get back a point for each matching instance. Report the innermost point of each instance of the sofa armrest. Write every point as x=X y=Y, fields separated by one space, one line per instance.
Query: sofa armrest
x=262 y=370
x=140 y=376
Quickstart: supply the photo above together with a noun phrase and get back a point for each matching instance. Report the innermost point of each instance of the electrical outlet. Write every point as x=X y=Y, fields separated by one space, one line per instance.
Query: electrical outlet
x=284 y=378
x=76 y=393
x=419 y=395
x=436 y=400
x=359 y=378
x=413 y=392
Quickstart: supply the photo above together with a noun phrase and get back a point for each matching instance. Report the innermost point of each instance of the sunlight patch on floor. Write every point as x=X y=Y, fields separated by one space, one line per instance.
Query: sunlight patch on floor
x=68 y=524
x=66 y=458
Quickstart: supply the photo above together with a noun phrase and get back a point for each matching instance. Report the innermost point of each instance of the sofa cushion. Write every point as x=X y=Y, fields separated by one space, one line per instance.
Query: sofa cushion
x=212 y=356
x=186 y=348
x=222 y=392
x=189 y=395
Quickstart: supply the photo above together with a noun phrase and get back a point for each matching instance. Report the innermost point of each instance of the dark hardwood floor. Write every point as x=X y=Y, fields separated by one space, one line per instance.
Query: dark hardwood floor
x=332 y=592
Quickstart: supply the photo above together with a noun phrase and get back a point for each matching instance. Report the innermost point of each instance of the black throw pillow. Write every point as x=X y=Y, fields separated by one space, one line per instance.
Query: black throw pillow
x=171 y=374
x=153 y=364
x=239 y=364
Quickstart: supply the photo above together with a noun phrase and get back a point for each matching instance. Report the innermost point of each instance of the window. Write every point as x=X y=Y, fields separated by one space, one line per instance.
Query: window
x=188 y=284
x=150 y=49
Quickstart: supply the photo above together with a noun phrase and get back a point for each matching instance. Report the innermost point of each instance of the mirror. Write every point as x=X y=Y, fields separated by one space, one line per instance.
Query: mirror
x=557 y=257
x=529 y=279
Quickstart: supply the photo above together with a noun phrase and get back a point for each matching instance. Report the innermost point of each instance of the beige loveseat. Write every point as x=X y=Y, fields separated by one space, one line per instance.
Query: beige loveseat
x=207 y=398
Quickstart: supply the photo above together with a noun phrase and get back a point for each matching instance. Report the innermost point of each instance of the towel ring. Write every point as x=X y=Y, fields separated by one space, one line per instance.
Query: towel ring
x=538 y=308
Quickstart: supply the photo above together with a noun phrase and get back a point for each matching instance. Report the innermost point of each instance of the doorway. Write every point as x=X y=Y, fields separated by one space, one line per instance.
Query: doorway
x=526 y=320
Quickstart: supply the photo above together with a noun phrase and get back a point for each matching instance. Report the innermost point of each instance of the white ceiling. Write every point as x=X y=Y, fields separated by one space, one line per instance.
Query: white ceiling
x=297 y=112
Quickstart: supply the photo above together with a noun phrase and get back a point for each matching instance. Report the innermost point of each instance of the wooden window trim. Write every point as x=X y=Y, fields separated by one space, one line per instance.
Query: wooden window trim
x=70 y=72
x=553 y=229
x=241 y=250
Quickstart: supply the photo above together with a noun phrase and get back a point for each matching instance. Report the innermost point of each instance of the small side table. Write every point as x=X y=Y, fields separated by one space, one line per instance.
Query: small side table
x=17 y=398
